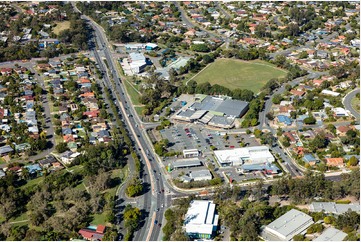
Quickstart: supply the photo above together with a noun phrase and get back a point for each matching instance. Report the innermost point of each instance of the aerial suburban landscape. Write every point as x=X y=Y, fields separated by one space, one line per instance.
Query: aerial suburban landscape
x=180 y=121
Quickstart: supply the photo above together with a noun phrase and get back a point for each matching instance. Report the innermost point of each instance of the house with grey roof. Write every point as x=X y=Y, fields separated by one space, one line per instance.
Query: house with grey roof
x=5 y=150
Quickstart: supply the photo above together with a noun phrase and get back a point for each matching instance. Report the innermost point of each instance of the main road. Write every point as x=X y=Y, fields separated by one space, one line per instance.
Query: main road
x=158 y=197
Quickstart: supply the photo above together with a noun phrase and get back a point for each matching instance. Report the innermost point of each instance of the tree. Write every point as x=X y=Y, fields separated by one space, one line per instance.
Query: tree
x=353 y=161
x=61 y=147
x=200 y=48
x=270 y=116
x=298 y=237
x=277 y=99
x=303 y=55
x=309 y=120
x=134 y=188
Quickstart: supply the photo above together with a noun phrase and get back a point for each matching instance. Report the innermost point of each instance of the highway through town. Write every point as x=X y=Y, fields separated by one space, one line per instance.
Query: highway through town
x=158 y=197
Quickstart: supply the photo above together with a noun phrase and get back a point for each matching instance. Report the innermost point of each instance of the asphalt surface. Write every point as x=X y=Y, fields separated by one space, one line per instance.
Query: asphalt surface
x=347 y=103
x=154 y=200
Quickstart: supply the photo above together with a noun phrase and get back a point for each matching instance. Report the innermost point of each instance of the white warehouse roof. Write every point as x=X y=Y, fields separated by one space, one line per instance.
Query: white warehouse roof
x=290 y=224
x=201 y=217
x=331 y=234
x=238 y=156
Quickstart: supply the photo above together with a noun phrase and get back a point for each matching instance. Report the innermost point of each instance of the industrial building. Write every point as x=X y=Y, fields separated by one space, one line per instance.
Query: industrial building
x=220 y=111
x=201 y=220
x=331 y=234
x=334 y=208
x=247 y=155
x=288 y=225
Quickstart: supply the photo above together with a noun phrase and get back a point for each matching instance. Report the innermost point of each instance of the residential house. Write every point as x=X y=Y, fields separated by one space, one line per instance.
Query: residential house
x=93 y=234
x=309 y=159
x=336 y=162
x=342 y=130
x=5 y=150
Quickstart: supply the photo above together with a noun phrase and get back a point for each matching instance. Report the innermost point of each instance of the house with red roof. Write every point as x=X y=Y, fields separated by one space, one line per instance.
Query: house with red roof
x=92 y=114
x=93 y=234
x=297 y=93
x=68 y=138
x=6 y=71
x=342 y=130
x=337 y=162
x=317 y=83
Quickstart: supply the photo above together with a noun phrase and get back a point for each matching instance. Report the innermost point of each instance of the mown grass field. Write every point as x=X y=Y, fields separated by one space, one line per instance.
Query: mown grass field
x=60 y=26
x=234 y=74
x=355 y=103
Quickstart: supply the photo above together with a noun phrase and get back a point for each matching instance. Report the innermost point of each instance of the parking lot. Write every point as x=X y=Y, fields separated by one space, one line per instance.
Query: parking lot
x=196 y=136
x=232 y=172
x=193 y=136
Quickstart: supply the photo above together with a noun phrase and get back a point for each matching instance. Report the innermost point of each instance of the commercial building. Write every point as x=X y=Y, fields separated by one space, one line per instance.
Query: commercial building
x=186 y=163
x=201 y=220
x=217 y=111
x=190 y=153
x=201 y=175
x=331 y=234
x=334 y=208
x=267 y=168
x=288 y=225
x=137 y=62
x=240 y=156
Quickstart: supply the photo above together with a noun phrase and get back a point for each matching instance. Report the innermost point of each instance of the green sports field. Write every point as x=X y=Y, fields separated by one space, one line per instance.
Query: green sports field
x=234 y=74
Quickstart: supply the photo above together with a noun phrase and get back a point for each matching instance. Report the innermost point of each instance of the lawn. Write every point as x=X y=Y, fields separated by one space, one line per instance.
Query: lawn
x=139 y=110
x=60 y=26
x=134 y=95
x=32 y=182
x=355 y=103
x=234 y=74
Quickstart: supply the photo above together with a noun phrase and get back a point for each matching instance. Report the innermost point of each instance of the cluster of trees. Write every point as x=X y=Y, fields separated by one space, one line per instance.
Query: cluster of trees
x=294 y=71
x=206 y=88
x=55 y=207
x=255 y=107
x=132 y=217
x=315 y=185
x=246 y=54
x=172 y=230
x=134 y=187
x=200 y=48
x=161 y=146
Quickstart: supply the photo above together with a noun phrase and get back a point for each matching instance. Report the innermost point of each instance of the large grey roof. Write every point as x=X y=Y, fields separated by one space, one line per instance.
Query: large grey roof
x=187 y=163
x=331 y=234
x=227 y=106
x=200 y=173
x=217 y=120
x=332 y=207
x=291 y=223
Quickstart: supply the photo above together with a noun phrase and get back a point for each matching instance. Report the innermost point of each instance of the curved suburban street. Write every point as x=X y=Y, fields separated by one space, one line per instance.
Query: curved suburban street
x=347 y=103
